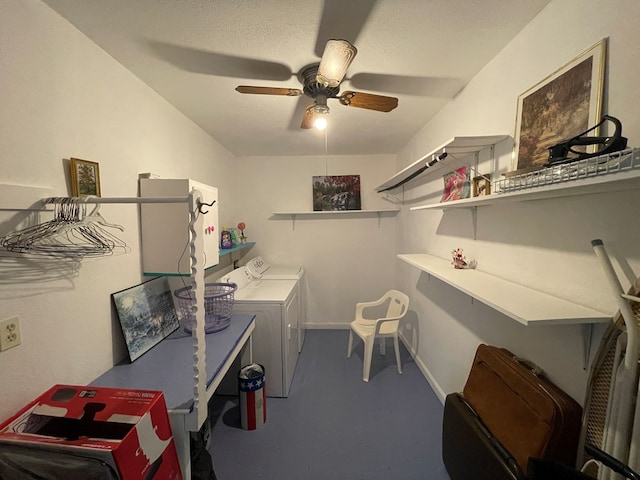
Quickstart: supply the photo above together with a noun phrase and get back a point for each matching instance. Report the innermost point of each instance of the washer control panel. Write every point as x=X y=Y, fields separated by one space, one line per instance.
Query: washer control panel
x=257 y=266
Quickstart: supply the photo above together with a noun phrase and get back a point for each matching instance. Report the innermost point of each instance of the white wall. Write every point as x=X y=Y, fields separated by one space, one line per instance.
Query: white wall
x=543 y=244
x=62 y=97
x=347 y=258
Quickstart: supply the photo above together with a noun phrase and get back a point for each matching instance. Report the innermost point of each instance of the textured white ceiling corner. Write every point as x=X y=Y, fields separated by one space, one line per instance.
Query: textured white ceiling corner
x=178 y=47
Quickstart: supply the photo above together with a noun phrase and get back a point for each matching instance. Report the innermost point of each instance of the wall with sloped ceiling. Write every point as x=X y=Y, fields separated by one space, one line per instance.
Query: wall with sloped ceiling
x=62 y=96
x=543 y=244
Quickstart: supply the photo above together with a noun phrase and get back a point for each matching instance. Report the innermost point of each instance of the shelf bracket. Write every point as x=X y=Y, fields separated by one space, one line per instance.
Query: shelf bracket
x=293 y=222
x=474 y=221
x=587 y=336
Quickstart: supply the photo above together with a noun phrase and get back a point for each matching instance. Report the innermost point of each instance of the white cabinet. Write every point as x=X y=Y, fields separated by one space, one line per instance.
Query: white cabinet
x=164 y=227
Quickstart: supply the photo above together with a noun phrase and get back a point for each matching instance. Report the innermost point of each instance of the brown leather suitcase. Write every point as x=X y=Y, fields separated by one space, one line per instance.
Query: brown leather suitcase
x=529 y=415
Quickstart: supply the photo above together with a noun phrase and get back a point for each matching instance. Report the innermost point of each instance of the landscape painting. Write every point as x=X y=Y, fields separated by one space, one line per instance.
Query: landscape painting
x=147 y=315
x=558 y=108
x=338 y=192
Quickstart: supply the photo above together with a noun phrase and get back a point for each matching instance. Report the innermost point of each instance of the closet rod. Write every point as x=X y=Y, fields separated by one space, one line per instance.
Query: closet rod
x=119 y=199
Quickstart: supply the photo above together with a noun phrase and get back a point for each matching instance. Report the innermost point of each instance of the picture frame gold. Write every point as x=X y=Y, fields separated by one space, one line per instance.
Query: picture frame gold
x=561 y=106
x=85 y=178
x=481 y=186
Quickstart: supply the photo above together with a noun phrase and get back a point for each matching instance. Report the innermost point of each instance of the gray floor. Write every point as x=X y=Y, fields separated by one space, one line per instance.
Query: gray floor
x=335 y=426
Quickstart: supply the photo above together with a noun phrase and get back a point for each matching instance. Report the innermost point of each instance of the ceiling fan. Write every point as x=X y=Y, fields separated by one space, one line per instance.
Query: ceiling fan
x=339 y=20
x=321 y=81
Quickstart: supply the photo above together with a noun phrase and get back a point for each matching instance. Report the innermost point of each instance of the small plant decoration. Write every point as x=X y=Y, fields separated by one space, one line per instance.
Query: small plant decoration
x=241 y=227
x=460 y=261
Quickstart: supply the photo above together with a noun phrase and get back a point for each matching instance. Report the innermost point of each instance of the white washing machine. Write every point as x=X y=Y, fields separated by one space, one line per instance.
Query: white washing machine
x=276 y=305
x=259 y=268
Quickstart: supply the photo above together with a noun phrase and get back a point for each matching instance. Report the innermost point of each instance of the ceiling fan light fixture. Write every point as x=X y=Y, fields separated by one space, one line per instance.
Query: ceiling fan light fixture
x=337 y=56
x=320 y=106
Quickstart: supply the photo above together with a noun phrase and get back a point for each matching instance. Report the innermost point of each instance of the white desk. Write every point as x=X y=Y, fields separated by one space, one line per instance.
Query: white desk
x=169 y=367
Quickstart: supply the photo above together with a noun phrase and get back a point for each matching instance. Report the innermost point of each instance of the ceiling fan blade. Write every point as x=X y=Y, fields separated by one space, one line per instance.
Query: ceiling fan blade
x=212 y=63
x=343 y=20
x=369 y=101
x=308 y=118
x=290 y=92
x=421 y=86
x=300 y=106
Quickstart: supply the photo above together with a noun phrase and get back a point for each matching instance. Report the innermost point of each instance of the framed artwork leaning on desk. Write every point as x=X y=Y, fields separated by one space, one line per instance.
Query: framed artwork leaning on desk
x=147 y=315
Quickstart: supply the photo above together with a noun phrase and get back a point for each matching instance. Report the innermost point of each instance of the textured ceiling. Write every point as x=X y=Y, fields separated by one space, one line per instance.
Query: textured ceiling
x=195 y=52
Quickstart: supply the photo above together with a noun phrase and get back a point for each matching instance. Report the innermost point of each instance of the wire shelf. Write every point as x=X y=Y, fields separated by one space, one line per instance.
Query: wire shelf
x=622 y=161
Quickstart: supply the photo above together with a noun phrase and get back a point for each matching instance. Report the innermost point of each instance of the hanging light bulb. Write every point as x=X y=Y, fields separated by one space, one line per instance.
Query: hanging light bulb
x=337 y=56
x=320 y=112
x=320 y=122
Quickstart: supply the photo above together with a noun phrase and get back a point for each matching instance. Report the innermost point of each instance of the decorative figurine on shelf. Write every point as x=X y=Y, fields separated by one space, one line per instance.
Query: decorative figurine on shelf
x=241 y=227
x=460 y=261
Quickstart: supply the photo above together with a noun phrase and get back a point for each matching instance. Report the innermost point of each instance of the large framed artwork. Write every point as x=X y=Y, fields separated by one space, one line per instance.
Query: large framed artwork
x=147 y=315
x=561 y=106
x=338 y=192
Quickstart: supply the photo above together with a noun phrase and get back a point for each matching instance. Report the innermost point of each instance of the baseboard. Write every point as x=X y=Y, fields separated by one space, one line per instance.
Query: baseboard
x=425 y=371
x=326 y=326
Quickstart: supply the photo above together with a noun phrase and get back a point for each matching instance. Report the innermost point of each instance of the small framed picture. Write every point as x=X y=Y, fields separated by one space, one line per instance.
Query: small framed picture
x=481 y=186
x=85 y=178
x=456 y=185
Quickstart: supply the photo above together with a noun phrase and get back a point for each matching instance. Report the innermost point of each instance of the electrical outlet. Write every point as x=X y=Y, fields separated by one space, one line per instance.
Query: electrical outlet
x=10 y=333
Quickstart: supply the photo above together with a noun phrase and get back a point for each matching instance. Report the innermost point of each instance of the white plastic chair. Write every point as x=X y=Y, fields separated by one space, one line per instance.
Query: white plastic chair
x=370 y=329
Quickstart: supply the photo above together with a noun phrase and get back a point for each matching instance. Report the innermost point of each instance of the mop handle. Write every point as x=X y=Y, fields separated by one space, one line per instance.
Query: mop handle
x=623 y=305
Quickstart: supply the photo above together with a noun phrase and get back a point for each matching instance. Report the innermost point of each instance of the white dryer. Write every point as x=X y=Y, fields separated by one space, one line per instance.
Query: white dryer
x=276 y=305
x=259 y=268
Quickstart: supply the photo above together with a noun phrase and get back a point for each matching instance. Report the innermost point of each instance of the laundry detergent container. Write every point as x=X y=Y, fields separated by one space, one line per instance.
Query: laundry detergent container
x=218 y=306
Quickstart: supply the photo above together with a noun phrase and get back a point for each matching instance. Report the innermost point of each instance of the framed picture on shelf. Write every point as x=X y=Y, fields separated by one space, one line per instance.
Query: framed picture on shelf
x=85 y=178
x=561 y=106
x=336 y=192
x=481 y=186
x=456 y=185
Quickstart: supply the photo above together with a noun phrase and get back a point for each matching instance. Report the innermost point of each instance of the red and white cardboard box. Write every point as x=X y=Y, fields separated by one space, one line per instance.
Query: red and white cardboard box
x=128 y=430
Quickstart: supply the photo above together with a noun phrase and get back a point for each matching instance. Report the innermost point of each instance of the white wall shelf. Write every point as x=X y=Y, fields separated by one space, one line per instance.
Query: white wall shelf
x=336 y=214
x=523 y=304
x=458 y=150
x=340 y=212
x=624 y=180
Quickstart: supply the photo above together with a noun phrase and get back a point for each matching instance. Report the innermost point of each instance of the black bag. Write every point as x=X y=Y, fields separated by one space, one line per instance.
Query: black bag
x=539 y=469
x=469 y=450
x=31 y=463
x=201 y=462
